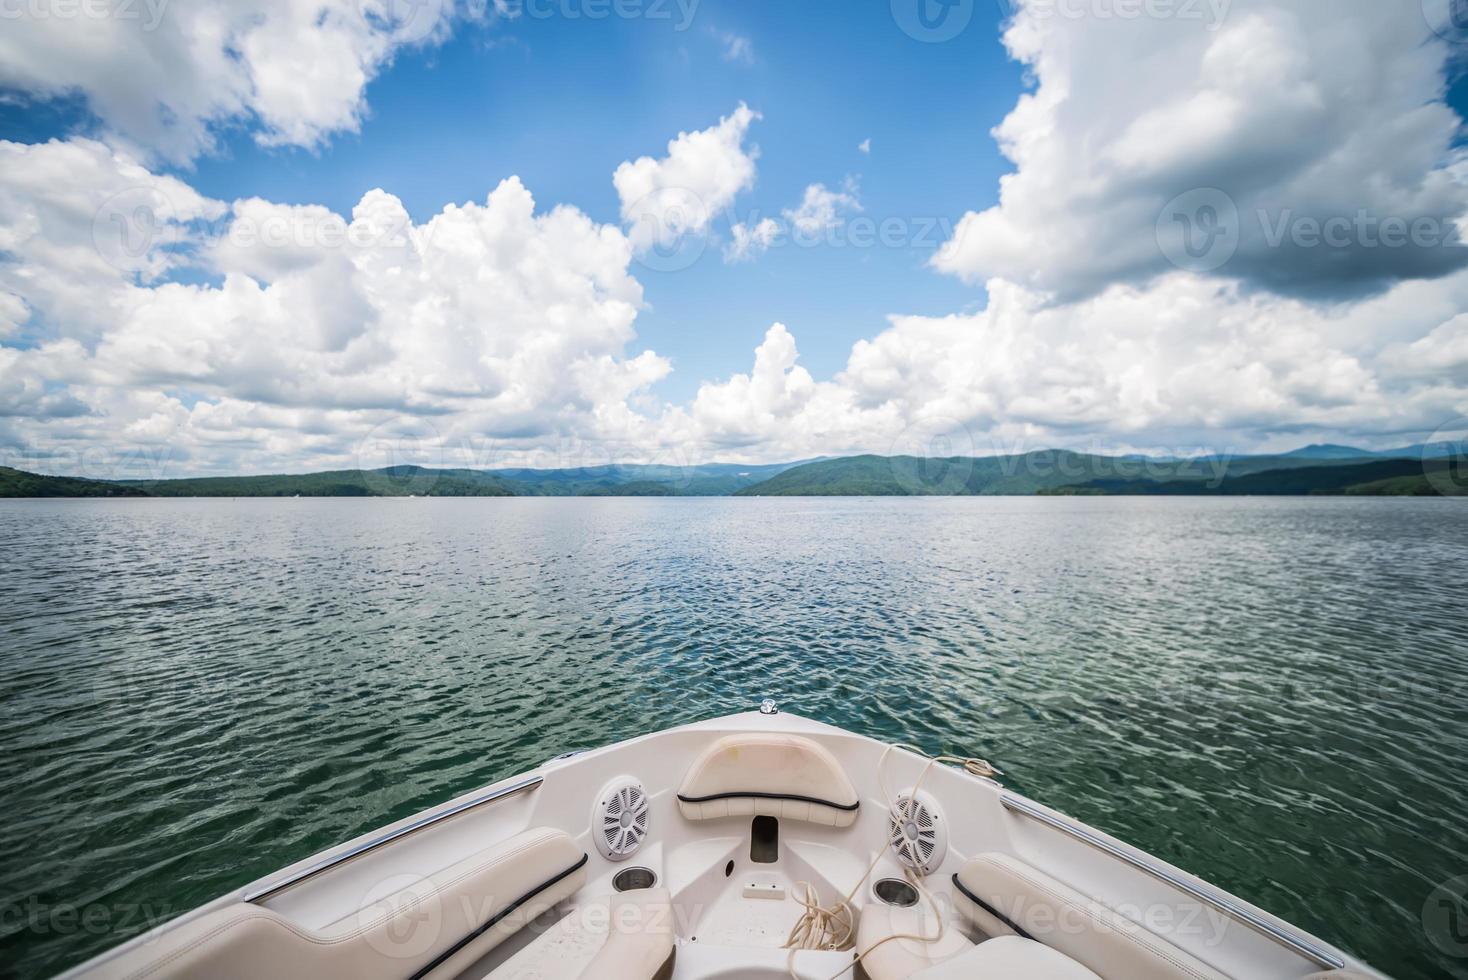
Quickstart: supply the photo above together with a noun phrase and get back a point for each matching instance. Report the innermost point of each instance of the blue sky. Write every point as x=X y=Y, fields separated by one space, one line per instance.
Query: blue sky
x=562 y=102
x=1040 y=292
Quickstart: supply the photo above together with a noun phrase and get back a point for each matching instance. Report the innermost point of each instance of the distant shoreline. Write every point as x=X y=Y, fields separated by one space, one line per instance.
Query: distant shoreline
x=1432 y=471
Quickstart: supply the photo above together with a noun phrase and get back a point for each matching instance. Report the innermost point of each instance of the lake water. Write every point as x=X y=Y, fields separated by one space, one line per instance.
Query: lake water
x=1267 y=692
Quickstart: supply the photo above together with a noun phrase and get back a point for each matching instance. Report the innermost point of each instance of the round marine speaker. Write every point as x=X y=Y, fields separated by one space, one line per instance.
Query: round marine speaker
x=619 y=818
x=919 y=834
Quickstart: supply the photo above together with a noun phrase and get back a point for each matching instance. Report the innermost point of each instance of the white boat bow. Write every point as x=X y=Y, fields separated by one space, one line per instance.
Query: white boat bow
x=758 y=845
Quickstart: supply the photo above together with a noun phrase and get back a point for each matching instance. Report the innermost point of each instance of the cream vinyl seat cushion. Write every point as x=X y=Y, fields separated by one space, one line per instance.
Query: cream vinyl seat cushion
x=1003 y=895
x=953 y=956
x=783 y=776
x=895 y=959
x=628 y=936
x=434 y=927
x=1008 y=958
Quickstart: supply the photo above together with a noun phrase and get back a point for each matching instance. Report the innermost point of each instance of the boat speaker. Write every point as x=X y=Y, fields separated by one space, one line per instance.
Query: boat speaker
x=619 y=819
x=919 y=834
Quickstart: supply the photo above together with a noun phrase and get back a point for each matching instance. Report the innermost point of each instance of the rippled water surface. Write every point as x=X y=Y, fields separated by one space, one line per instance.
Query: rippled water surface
x=1269 y=693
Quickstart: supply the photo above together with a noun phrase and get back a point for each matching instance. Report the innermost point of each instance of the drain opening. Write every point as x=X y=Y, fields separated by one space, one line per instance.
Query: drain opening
x=634 y=879
x=896 y=892
x=764 y=840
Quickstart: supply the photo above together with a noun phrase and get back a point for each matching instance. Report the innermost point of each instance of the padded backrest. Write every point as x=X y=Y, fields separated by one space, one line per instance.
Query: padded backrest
x=784 y=776
x=1003 y=896
x=435 y=927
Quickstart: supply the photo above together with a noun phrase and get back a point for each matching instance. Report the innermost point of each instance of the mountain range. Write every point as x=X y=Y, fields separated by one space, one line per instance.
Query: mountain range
x=1424 y=470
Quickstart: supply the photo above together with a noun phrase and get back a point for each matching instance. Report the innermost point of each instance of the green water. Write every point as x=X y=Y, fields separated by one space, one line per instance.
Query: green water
x=1269 y=693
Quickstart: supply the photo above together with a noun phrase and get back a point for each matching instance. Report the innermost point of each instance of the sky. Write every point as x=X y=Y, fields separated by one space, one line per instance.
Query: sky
x=291 y=235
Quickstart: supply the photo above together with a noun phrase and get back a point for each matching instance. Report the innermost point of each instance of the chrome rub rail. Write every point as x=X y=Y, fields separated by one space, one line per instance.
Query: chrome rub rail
x=1228 y=907
x=494 y=796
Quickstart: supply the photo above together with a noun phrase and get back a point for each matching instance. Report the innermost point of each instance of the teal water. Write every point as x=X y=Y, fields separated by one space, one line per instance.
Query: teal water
x=1267 y=692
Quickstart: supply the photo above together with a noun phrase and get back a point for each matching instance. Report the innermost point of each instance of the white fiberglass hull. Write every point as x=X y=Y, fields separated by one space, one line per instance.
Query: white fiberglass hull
x=729 y=821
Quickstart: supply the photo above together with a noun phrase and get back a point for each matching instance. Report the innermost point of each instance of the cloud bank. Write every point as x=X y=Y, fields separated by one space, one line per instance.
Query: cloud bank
x=1263 y=254
x=163 y=78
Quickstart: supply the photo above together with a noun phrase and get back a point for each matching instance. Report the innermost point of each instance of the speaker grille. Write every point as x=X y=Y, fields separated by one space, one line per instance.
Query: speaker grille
x=620 y=822
x=918 y=833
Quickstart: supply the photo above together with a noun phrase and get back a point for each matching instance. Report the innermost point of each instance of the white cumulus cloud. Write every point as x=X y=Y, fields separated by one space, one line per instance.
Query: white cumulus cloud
x=749 y=241
x=162 y=77
x=681 y=193
x=737 y=47
x=822 y=209
x=1288 y=113
x=250 y=335
x=491 y=322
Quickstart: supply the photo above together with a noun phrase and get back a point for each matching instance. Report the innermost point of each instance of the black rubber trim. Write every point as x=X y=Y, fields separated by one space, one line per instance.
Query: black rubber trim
x=497 y=917
x=665 y=972
x=991 y=910
x=769 y=796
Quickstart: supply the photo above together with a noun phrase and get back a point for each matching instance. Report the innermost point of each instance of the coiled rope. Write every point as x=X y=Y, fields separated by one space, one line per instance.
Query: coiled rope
x=833 y=927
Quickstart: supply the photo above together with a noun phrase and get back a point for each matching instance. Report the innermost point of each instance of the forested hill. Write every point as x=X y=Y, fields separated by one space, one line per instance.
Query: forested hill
x=708 y=480
x=395 y=481
x=1060 y=472
x=1051 y=472
x=18 y=483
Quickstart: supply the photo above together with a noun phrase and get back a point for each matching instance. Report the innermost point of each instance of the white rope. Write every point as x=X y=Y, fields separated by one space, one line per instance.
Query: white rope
x=833 y=927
